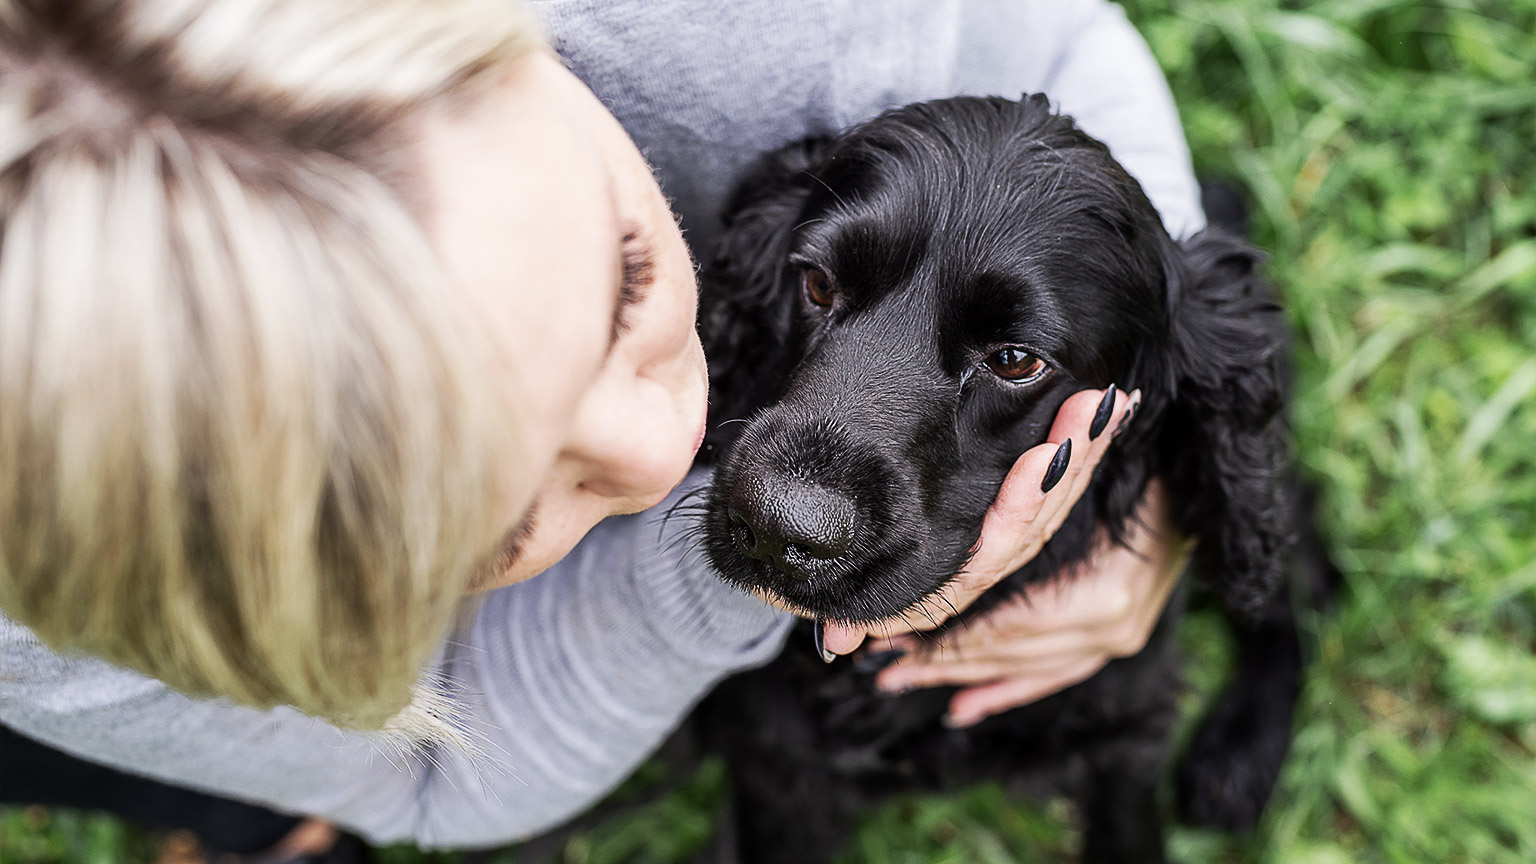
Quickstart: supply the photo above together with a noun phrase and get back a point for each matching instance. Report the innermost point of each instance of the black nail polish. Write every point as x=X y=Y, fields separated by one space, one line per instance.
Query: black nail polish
x=871 y=662
x=1101 y=417
x=821 y=644
x=1058 y=466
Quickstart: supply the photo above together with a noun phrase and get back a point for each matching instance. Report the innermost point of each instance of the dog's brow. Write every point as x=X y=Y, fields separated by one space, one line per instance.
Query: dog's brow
x=824 y=185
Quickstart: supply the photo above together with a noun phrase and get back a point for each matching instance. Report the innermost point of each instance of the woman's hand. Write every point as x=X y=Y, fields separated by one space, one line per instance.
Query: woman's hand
x=1058 y=633
x=1034 y=500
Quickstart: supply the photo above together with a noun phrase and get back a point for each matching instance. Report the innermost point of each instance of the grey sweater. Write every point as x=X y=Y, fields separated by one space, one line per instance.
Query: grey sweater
x=572 y=678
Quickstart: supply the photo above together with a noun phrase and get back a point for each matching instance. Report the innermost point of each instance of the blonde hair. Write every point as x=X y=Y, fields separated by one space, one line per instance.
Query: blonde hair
x=248 y=444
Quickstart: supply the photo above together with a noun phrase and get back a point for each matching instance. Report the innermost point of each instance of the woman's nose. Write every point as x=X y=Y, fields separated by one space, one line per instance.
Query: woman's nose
x=625 y=444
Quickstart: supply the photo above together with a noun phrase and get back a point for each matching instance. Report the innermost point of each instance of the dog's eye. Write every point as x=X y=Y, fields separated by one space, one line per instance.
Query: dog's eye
x=1015 y=364
x=817 y=289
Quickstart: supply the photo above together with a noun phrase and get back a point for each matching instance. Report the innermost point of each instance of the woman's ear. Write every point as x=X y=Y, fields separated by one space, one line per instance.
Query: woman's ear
x=747 y=306
x=1227 y=418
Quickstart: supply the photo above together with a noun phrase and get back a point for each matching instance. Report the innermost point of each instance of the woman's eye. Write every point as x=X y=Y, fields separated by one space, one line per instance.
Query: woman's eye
x=816 y=287
x=637 y=269
x=1016 y=364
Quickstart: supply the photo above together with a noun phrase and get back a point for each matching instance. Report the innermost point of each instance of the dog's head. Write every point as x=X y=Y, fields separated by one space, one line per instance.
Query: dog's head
x=897 y=313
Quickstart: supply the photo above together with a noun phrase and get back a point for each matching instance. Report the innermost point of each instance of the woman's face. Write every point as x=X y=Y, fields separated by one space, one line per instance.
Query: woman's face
x=540 y=205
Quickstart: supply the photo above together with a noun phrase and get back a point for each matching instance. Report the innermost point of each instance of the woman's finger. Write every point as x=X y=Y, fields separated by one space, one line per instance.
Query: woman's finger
x=974 y=704
x=1022 y=654
x=900 y=679
x=1023 y=504
x=1098 y=599
x=1106 y=411
x=1041 y=488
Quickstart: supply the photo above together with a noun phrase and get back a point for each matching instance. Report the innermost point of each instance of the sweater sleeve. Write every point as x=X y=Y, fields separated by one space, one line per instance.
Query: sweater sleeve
x=568 y=681
x=1086 y=56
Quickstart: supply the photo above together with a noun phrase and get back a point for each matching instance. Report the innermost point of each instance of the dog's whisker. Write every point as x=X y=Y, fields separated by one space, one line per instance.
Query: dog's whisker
x=952 y=610
x=684 y=504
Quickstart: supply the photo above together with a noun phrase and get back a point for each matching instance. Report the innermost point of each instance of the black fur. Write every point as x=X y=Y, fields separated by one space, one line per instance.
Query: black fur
x=874 y=438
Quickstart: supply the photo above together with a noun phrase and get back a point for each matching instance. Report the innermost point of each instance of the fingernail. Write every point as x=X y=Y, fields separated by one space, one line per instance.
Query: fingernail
x=894 y=689
x=821 y=643
x=871 y=662
x=1101 y=417
x=1058 y=466
x=1130 y=412
x=950 y=721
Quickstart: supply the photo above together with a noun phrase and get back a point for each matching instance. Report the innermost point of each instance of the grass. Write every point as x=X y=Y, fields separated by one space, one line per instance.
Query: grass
x=1389 y=150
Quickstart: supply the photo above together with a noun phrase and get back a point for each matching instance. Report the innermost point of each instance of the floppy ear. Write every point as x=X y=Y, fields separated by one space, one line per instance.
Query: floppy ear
x=748 y=304
x=1229 y=432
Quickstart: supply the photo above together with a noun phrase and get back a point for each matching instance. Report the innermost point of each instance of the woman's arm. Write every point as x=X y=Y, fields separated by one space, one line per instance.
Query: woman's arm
x=568 y=681
x=1094 y=66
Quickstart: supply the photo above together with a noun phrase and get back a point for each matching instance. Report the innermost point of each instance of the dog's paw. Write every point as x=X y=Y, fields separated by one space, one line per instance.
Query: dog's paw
x=1231 y=766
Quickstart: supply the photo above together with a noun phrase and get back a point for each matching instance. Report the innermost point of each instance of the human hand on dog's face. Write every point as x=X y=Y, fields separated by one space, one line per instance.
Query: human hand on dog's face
x=1025 y=515
x=1058 y=634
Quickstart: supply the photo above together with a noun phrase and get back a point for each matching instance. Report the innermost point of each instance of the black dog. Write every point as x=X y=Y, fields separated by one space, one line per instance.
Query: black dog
x=898 y=313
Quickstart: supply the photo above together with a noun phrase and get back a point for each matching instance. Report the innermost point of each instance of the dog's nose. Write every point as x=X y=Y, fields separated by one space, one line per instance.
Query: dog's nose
x=792 y=524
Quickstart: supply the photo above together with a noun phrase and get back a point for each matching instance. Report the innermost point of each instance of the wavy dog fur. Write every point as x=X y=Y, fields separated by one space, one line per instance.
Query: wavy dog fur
x=862 y=287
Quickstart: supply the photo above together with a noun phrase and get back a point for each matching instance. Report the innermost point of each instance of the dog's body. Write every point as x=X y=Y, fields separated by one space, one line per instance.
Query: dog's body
x=899 y=312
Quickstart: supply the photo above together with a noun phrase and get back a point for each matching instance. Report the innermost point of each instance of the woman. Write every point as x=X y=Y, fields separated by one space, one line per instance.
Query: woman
x=297 y=345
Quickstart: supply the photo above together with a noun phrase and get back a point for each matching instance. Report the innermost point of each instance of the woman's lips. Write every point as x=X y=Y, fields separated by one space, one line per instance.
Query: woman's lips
x=698 y=439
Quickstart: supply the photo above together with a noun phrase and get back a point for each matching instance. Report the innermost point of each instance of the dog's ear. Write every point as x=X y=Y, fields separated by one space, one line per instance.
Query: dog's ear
x=1229 y=434
x=747 y=306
